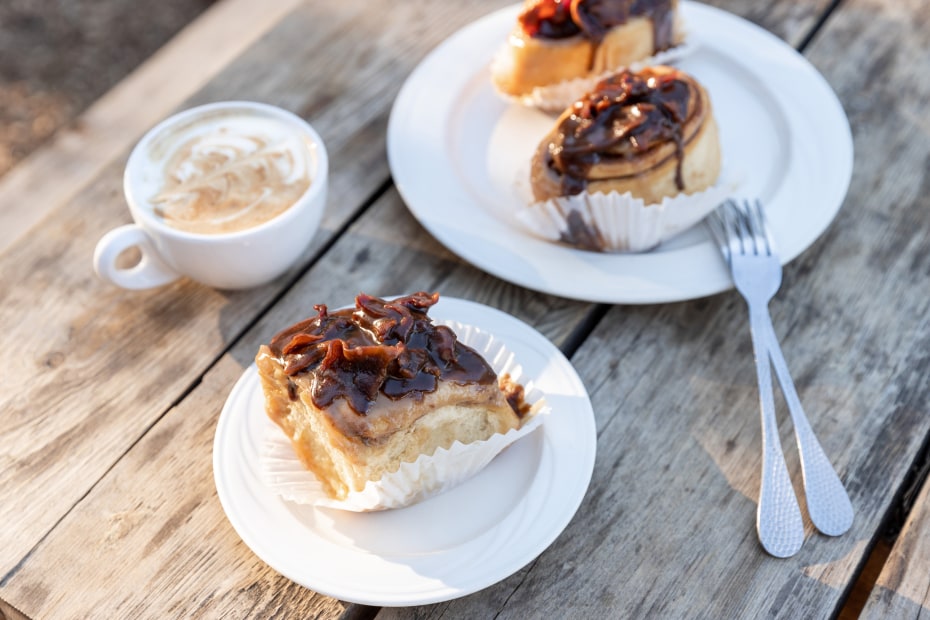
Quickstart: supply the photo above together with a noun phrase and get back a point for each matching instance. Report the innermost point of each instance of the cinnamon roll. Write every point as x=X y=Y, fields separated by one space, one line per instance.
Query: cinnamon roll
x=558 y=40
x=650 y=133
x=360 y=391
x=645 y=142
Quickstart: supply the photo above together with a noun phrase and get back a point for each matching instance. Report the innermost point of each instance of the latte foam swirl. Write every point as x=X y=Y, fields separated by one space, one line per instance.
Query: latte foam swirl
x=225 y=181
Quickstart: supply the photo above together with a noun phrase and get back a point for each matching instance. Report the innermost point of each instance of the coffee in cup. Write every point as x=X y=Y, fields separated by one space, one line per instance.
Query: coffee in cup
x=229 y=194
x=225 y=171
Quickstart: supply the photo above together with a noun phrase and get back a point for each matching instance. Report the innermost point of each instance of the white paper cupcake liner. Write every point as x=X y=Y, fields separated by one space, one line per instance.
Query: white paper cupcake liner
x=284 y=473
x=555 y=98
x=620 y=222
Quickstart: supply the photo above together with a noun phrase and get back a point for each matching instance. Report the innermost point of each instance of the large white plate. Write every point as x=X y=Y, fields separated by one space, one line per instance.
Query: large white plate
x=445 y=547
x=456 y=149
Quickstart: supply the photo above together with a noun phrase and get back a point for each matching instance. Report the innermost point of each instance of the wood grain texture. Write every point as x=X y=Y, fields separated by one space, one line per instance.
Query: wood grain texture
x=78 y=154
x=90 y=368
x=902 y=589
x=171 y=541
x=891 y=108
x=139 y=526
x=388 y=235
x=790 y=21
x=8 y=612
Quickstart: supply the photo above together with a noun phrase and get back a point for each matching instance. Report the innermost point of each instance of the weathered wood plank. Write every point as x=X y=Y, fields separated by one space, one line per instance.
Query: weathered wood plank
x=902 y=589
x=878 y=82
x=8 y=612
x=667 y=528
x=89 y=368
x=791 y=21
x=137 y=517
x=389 y=235
x=78 y=154
x=172 y=540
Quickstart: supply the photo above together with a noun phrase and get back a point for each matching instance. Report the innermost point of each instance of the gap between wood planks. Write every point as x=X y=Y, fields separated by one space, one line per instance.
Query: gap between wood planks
x=857 y=594
x=891 y=526
x=8 y=612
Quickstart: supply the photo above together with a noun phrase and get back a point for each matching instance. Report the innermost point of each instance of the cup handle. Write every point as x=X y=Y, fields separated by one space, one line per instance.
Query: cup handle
x=151 y=271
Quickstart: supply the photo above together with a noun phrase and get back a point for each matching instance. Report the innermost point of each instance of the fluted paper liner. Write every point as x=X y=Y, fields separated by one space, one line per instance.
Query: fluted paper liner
x=620 y=222
x=555 y=98
x=283 y=472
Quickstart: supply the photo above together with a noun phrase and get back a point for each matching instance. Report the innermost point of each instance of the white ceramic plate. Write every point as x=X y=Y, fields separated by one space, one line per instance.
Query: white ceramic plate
x=457 y=152
x=447 y=546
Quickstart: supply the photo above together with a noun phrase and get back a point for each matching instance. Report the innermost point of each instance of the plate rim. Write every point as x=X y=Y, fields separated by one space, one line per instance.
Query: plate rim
x=628 y=287
x=565 y=509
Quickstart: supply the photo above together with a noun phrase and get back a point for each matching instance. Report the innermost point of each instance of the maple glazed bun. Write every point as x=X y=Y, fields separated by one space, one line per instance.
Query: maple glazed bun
x=650 y=133
x=361 y=390
x=558 y=40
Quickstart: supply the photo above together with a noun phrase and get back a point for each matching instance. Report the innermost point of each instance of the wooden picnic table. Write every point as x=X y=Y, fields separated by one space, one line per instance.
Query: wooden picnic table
x=110 y=398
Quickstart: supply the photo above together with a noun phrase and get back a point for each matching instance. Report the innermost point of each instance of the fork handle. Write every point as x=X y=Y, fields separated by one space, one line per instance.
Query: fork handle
x=827 y=501
x=778 y=518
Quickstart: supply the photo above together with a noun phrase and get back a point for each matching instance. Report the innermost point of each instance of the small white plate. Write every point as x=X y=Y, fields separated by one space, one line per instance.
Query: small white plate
x=448 y=546
x=458 y=153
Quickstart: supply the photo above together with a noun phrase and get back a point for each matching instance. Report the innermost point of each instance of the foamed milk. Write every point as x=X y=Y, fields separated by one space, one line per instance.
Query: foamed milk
x=225 y=171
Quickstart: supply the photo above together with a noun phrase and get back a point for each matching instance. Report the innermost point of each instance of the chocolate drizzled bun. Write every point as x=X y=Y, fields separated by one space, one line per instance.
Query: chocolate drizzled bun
x=558 y=40
x=651 y=133
x=596 y=18
x=362 y=390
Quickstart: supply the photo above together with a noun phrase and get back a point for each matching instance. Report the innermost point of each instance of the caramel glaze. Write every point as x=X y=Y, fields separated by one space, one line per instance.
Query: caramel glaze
x=559 y=19
x=549 y=19
x=391 y=347
x=625 y=116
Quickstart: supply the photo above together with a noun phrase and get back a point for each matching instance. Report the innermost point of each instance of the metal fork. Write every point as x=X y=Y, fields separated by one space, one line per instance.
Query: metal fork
x=748 y=247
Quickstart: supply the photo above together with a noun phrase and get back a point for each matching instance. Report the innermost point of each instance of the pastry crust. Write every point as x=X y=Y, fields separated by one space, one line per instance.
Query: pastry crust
x=624 y=45
x=345 y=448
x=530 y=62
x=650 y=175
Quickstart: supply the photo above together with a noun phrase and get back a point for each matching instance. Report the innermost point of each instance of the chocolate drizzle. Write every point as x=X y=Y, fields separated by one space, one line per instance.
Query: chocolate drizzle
x=625 y=116
x=559 y=19
x=549 y=19
x=387 y=347
x=580 y=234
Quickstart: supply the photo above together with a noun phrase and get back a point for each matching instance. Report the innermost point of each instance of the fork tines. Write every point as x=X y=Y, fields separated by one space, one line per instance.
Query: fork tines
x=733 y=224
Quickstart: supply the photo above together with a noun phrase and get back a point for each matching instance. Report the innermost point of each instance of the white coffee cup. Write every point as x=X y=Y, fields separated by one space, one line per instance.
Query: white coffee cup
x=226 y=260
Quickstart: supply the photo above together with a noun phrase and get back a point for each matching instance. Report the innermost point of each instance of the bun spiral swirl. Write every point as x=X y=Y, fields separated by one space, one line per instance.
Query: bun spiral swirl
x=650 y=133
